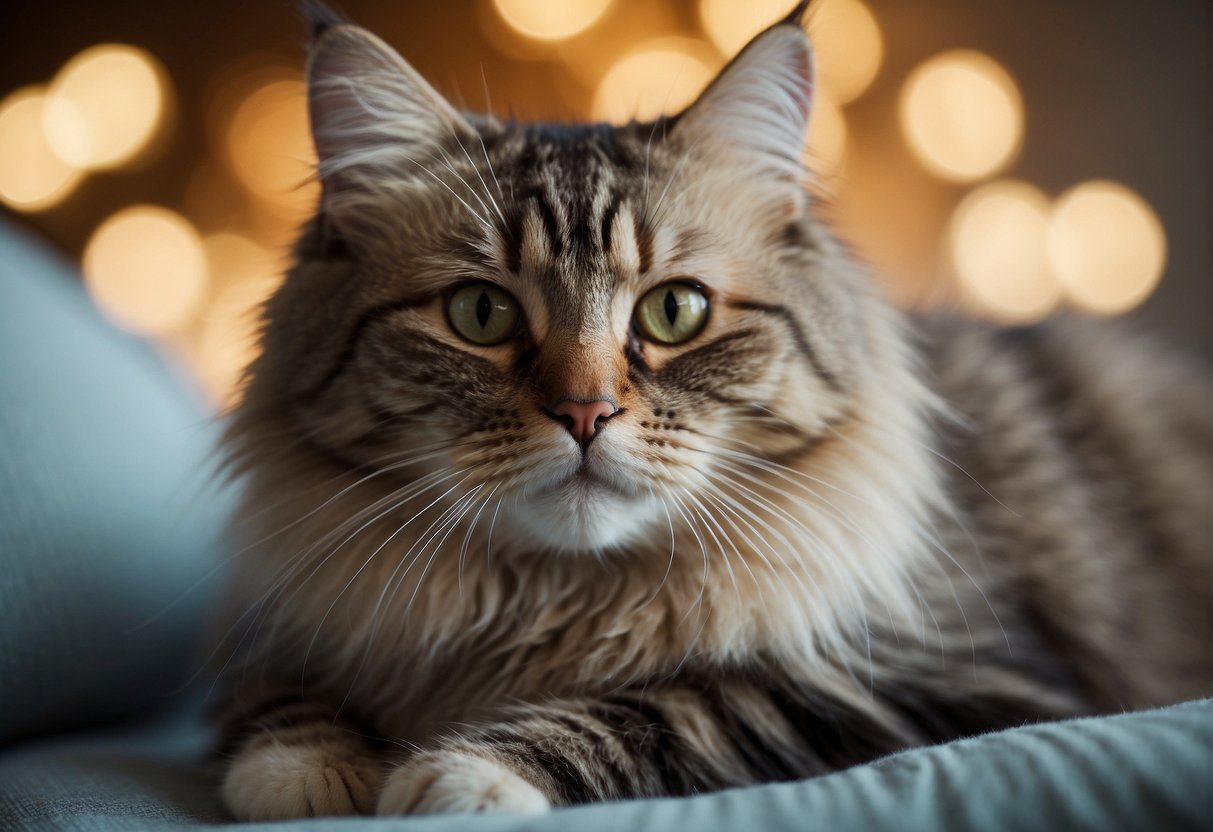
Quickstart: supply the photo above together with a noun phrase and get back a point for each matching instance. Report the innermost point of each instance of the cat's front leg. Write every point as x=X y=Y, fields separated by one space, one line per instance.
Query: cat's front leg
x=293 y=757
x=642 y=743
x=536 y=757
x=473 y=778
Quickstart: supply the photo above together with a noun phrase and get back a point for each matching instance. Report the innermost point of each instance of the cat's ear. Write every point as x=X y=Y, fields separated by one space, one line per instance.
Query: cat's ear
x=756 y=111
x=370 y=111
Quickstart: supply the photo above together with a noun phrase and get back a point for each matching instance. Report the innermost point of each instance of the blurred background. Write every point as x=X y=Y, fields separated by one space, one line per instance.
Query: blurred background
x=1006 y=158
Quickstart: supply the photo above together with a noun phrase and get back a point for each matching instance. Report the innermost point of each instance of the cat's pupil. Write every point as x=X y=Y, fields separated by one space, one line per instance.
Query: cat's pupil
x=671 y=306
x=484 y=308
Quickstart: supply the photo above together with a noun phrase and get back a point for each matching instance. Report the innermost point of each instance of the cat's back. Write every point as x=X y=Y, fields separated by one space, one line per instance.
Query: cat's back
x=1081 y=463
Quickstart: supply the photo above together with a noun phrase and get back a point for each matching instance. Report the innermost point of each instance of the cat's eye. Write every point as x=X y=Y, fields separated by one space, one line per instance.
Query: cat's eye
x=672 y=313
x=483 y=314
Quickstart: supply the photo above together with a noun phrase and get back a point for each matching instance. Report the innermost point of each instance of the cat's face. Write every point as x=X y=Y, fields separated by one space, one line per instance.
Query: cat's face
x=591 y=332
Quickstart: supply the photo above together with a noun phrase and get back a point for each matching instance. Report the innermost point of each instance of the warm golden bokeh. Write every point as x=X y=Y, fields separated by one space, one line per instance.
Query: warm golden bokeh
x=848 y=47
x=32 y=176
x=551 y=20
x=1107 y=246
x=1014 y=254
x=730 y=23
x=657 y=77
x=146 y=269
x=105 y=105
x=246 y=273
x=997 y=239
x=269 y=147
x=962 y=115
x=846 y=38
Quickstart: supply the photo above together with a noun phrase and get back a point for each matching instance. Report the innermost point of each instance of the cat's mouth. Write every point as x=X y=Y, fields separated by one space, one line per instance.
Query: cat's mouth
x=590 y=477
x=585 y=480
x=585 y=509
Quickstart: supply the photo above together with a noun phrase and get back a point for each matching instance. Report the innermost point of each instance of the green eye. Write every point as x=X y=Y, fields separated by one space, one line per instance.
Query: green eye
x=483 y=314
x=672 y=313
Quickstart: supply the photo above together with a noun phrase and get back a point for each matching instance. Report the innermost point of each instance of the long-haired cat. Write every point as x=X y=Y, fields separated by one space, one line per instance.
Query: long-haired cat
x=583 y=463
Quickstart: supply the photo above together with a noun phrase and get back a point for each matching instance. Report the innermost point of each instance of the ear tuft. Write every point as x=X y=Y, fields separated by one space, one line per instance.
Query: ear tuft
x=757 y=109
x=796 y=17
x=370 y=111
x=320 y=17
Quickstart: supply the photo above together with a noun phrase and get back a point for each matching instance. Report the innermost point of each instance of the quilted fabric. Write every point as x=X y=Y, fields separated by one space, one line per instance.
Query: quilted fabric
x=108 y=519
x=1143 y=771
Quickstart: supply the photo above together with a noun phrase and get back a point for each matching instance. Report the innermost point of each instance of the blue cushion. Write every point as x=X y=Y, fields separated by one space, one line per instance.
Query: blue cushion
x=1141 y=771
x=109 y=520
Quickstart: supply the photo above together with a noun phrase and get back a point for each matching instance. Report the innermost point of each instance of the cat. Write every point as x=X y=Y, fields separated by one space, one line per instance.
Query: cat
x=584 y=463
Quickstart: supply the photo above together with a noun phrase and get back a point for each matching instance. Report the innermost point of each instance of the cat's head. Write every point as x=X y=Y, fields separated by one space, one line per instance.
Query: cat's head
x=615 y=329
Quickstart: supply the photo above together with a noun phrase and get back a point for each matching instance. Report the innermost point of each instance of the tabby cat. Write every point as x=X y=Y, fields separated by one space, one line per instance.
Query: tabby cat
x=583 y=463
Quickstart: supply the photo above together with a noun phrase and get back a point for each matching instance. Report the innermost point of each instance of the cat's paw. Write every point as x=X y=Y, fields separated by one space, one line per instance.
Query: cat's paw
x=449 y=781
x=281 y=782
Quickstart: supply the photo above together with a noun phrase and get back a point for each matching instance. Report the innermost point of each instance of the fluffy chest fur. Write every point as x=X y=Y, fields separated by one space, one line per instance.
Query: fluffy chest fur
x=414 y=600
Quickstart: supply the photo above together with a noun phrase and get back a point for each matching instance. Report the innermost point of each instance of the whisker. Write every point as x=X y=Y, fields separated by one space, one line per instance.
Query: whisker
x=702 y=511
x=469 y=500
x=488 y=543
x=702 y=549
x=367 y=561
x=467 y=538
x=445 y=161
x=228 y=558
x=484 y=222
x=489 y=196
x=656 y=211
x=394 y=582
x=732 y=506
x=934 y=544
x=670 y=565
x=279 y=580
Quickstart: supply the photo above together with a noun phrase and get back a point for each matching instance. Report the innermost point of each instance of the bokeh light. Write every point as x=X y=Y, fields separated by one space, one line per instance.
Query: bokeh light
x=657 y=77
x=949 y=225
x=827 y=142
x=962 y=115
x=848 y=47
x=213 y=199
x=731 y=24
x=228 y=341
x=146 y=269
x=1107 y=246
x=32 y=176
x=551 y=19
x=269 y=147
x=846 y=38
x=105 y=106
x=999 y=248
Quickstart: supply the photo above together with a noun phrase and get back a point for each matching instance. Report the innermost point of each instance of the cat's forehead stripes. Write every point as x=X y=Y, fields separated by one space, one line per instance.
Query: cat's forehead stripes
x=570 y=229
x=565 y=193
x=620 y=239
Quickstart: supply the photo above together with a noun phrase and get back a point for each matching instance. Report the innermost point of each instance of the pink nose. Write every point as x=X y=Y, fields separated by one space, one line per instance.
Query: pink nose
x=582 y=418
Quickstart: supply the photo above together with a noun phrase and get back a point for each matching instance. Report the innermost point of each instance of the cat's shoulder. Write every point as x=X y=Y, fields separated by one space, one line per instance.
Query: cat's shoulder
x=1077 y=341
x=1066 y=361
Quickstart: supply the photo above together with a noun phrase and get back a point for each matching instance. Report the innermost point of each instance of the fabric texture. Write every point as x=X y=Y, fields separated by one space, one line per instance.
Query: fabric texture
x=1143 y=771
x=108 y=518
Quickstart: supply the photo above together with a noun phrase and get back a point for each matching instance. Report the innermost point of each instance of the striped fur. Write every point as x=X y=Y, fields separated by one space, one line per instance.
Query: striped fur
x=817 y=532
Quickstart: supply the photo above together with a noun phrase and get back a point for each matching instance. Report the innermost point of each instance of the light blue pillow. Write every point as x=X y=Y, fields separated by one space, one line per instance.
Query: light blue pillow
x=1137 y=772
x=109 y=521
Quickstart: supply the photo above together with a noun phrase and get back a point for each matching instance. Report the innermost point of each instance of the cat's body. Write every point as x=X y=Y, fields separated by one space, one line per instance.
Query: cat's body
x=806 y=534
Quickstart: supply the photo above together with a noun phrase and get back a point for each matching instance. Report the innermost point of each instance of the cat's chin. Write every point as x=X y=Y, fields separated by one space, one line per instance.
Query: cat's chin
x=582 y=515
